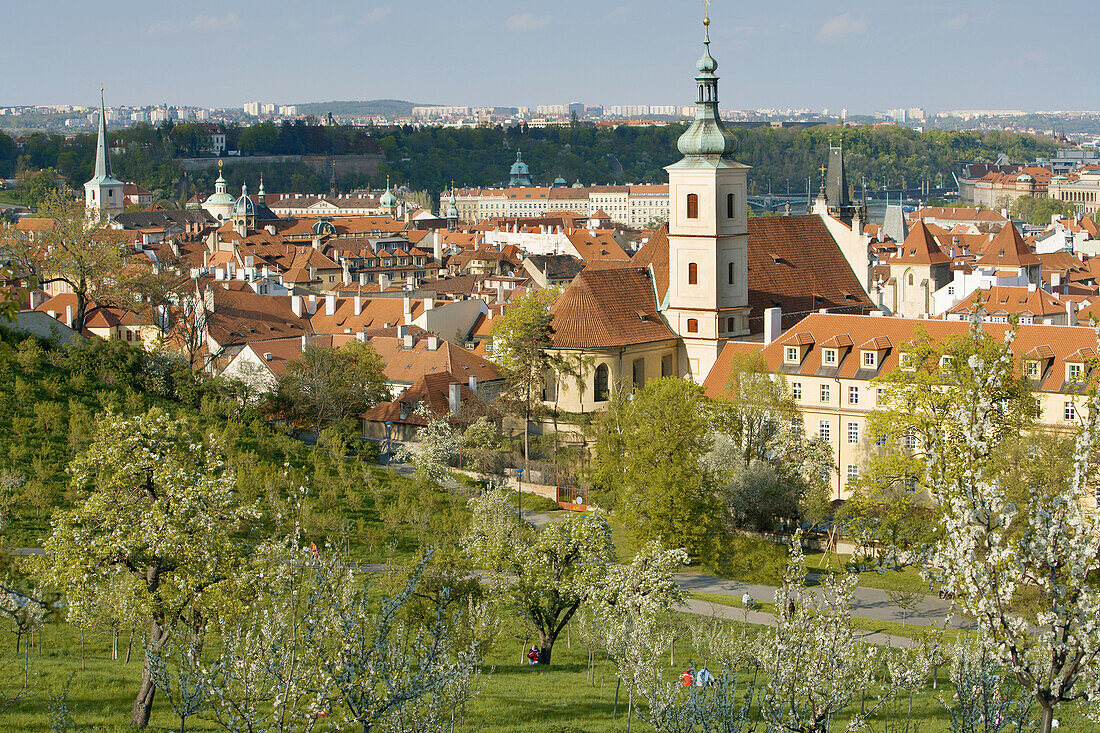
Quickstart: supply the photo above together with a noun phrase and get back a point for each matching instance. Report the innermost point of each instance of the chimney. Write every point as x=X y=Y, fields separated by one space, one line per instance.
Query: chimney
x=219 y=273
x=433 y=343
x=437 y=245
x=361 y=337
x=455 y=398
x=773 y=324
x=1071 y=313
x=1055 y=279
x=1031 y=287
x=36 y=299
x=208 y=300
x=473 y=384
x=69 y=316
x=312 y=304
x=296 y=305
x=384 y=282
x=330 y=305
x=429 y=304
x=317 y=243
x=401 y=331
x=268 y=356
x=305 y=340
x=408 y=309
x=408 y=341
x=358 y=305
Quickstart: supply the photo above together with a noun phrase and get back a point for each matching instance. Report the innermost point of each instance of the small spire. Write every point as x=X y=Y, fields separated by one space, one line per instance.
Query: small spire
x=706 y=22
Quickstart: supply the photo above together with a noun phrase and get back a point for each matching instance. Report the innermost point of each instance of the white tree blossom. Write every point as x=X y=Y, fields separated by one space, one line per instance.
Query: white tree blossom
x=990 y=551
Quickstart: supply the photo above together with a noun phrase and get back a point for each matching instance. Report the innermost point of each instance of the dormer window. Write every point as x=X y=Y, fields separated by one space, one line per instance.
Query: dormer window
x=908 y=361
x=870 y=359
x=1074 y=371
x=791 y=356
x=1031 y=369
x=830 y=357
x=947 y=361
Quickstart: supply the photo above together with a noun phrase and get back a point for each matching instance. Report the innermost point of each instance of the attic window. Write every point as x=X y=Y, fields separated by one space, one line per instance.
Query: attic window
x=830 y=356
x=869 y=358
x=791 y=355
x=1031 y=369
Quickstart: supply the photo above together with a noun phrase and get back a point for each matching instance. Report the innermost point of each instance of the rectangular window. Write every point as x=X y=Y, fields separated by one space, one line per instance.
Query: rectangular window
x=693 y=273
x=824 y=393
x=1031 y=369
x=830 y=356
x=1070 y=412
x=853 y=433
x=869 y=359
x=853 y=472
x=1074 y=372
x=731 y=273
x=666 y=366
x=881 y=441
x=824 y=430
x=792 y=354
x=910 y=439
x=853 y=395
x=730 y=206
x=796 y=390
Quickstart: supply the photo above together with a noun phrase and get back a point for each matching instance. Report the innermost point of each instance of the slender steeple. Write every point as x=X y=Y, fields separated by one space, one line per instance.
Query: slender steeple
x=102 y=154
x=707 y=137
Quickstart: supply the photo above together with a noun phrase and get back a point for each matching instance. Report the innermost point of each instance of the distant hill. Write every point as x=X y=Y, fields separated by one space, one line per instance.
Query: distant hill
x=368 y=107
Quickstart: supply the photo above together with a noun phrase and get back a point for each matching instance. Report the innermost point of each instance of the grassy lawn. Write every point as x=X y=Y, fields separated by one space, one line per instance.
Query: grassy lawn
x=516 y=698
x=907 y=580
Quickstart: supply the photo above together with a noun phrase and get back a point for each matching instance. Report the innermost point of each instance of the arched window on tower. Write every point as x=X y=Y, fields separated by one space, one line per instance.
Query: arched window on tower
x=693 y=325
x=910 y=278
x=730 y=206
x=693 y=273
x=693 y=206
x=600 y=390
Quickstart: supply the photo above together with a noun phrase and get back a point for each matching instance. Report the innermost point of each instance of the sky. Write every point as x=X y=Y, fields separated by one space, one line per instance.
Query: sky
x=862 y=55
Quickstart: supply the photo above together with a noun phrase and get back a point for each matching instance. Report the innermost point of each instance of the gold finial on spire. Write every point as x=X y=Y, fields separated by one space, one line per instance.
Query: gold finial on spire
x=706 y=20
x=220 y=164
x=822 y=169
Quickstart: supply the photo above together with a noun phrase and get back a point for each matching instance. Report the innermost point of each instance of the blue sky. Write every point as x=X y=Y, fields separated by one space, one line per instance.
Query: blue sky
x=862 y=55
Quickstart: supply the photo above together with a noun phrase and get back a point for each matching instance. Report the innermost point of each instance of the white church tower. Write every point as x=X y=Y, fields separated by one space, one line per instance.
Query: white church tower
x=103 y=194
x=708 y=232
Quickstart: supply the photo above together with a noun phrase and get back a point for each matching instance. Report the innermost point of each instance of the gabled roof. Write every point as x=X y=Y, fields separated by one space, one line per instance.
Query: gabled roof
x=1008 y=249
x=608 y=308
x=1014 y=299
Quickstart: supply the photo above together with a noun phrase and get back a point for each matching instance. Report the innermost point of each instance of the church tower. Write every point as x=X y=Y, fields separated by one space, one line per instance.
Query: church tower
x=708 y=232
x=103 y=194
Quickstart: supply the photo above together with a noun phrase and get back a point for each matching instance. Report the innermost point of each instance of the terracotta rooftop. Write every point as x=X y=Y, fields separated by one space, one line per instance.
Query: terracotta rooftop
x=1008 y=249
x=608 y=308
x=920 y=248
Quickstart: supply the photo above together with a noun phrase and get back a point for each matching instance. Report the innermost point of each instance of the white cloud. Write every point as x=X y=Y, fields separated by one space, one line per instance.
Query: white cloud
x=623 y=12
x=958 y=21
x=162 y=28
x=837 y=27
x=215 y=22
x=380 y=13
x=527 y=22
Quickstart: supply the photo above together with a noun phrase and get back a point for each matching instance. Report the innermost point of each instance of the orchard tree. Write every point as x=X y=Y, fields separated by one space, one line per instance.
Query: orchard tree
x=557 y=568
x=992 y=550
x=437 y=445
x=155 y=500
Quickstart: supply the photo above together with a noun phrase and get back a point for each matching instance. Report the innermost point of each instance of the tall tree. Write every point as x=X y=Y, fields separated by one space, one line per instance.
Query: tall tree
x=521 y=342
x=157 y=501
x=331 y=386
x=86 y=255
x=649 y=452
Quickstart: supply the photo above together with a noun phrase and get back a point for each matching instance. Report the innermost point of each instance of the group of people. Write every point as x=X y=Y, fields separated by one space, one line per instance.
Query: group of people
x=702 y=678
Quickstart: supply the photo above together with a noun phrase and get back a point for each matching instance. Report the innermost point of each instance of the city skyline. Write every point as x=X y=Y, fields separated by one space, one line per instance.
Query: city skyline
x=863 y=57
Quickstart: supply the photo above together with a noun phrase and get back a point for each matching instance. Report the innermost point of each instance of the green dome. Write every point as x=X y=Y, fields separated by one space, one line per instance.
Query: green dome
x=388 y=199
x=244 y=205
x=519 y=168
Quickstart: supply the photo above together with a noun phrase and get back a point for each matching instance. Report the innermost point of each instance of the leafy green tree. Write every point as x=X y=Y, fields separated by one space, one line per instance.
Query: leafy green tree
x=39 y=187
x=156 y=501
x=1038 y=210
x=521 y=342
x=332 y=386
x=649 y=452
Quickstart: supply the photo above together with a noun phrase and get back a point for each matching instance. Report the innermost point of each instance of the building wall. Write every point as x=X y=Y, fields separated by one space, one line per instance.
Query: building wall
x=620 y=365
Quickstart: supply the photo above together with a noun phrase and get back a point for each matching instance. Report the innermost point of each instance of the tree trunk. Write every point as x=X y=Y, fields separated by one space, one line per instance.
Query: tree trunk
x=1046 y=719
x=114 y=642
x=143 y=703
x=130 y=643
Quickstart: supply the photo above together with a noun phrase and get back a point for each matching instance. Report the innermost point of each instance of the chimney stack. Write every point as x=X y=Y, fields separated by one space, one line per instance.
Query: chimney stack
x=773 y=324
x=330 y=305
x=383 y=282
x=433 y=342
x=437 y=245
x=408 y=309
x=312 y=304
x=36 y=299
x=409 y=341
x=1071 y=313
x=455 y=398
x=473 y=384
x=69 y=316
x=296 y=305
x=358 y=305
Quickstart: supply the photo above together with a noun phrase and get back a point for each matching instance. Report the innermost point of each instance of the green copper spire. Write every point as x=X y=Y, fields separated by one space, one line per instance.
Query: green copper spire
x=102 y=155
x=707 y=137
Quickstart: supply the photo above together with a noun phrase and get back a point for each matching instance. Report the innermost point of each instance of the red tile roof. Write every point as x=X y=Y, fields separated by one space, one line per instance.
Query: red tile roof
x=608 y=308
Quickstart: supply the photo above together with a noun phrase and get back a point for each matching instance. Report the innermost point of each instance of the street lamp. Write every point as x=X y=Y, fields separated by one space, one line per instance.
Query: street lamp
x=519 y=493
x=389 y=426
